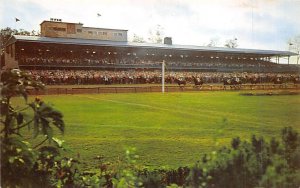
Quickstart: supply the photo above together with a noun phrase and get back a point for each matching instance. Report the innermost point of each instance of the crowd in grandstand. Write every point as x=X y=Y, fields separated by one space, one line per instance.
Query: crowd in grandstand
x=130 y=69
x=105 y=61
x=71 y=77
x=80 y=61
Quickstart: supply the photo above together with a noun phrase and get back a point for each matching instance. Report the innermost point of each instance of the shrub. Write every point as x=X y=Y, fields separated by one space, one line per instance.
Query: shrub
x=259 y=163
x=23 y=164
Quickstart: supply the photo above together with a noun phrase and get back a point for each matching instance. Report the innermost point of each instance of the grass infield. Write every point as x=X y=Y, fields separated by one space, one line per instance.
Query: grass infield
x=171 y=129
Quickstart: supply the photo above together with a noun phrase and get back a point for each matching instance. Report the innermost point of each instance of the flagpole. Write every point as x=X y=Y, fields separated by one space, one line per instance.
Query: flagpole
x=15 y=23
x=163 y=77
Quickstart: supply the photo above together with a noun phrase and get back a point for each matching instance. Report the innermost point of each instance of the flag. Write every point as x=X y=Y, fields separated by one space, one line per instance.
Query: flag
x=17 y=20
x=98 y=14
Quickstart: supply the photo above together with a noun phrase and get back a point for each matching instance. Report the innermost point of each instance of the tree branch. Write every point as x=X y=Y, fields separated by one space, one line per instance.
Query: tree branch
x=22 y=125
x=22 y=109
x=40 y=143
x=19 y=126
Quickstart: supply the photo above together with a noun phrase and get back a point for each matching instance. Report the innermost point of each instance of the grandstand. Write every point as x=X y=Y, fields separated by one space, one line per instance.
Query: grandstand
x=70 y=47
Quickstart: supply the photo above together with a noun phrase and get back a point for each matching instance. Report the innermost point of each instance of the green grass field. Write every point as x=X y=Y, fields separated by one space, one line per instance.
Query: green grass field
x=171 y=129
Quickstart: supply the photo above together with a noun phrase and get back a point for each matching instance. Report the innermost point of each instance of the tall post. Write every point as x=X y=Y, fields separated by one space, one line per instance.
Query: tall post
x=163 y=77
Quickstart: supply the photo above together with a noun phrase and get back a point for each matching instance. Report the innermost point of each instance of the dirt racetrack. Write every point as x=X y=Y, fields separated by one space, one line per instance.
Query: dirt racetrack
x=93 y=89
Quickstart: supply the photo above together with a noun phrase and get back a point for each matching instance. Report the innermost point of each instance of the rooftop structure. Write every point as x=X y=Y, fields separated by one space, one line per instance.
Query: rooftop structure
x=59 y=29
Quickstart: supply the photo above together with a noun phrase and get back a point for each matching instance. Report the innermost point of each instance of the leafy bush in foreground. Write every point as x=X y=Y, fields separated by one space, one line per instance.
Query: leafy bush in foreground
x=23 y=164
x=251 y=164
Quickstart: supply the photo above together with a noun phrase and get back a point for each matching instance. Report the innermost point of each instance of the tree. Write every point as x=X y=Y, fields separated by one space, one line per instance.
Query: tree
x=21 y=163
x=24 y=165
x=7 y=32
x=213 y=42
x=137 y=39
x=231 y=43
x=294 y=46
x=156 y=34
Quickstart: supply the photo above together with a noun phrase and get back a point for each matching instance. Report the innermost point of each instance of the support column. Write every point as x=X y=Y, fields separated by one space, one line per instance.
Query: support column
x=163 y=77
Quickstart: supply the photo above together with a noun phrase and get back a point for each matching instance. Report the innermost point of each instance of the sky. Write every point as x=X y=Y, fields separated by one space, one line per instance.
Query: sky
x=258 y=24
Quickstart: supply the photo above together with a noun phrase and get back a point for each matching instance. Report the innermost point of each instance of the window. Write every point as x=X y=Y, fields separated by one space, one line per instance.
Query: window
x=59 y=29
x=90 y=32
x=101 y=33
x=120 y=34
x=79 y=30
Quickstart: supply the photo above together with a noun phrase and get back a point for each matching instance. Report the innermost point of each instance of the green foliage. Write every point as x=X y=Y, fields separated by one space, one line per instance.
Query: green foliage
x=235 y=143
x=22 y=164
x=152 y=178
x=17 y=160
x=126 y=175
x=291 y=143
x=6 y=33
x=44 y=116
x=251 y=164
x=279 y=175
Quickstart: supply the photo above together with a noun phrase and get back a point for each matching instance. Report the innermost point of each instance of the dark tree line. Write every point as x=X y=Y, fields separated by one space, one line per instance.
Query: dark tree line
x=7 y=32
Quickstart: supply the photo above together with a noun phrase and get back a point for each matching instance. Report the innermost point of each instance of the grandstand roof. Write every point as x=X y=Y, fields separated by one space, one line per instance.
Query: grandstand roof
x=91 y=42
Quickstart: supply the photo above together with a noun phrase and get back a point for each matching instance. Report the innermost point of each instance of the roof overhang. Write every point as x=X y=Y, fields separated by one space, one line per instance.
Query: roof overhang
x=188 y=48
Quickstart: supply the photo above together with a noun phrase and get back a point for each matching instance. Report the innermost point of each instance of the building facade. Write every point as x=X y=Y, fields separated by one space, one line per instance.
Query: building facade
x=60 y=29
